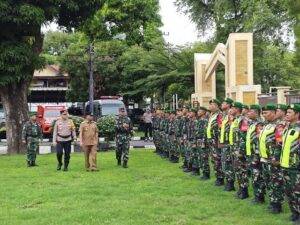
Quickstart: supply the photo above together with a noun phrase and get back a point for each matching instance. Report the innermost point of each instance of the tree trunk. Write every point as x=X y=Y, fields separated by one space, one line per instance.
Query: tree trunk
x=14 y=99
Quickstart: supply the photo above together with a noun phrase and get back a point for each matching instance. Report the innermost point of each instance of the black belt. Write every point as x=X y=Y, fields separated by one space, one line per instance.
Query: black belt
x=64 y=136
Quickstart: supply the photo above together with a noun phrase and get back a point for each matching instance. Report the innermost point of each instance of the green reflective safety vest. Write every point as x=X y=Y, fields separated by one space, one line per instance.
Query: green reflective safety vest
x=234 y=125
x=249 y=144
x=266 y=132
x=290 y=141
x=210 y=122
x=223 y=127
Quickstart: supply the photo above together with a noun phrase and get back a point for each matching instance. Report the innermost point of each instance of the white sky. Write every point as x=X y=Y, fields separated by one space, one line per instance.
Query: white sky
x=178 y=29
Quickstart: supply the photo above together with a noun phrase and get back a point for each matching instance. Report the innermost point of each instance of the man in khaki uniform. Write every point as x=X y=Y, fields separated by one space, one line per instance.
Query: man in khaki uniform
x=63 y=134
x=88 y=135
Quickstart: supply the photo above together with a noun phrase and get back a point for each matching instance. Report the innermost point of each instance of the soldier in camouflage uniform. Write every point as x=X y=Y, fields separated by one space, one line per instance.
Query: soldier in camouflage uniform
x=201 y=159
x=270 y=141
x=178 y=137
x=165 y=134
x=123 y=134
x=161 y=133
x=31 y=135
x=290 y=161
x=241 y=166
x=252 y=153
x=171 y=136
x=213 y=135
x=226 y=157
x=191 y=151
x=155 y=120
x=183 y=142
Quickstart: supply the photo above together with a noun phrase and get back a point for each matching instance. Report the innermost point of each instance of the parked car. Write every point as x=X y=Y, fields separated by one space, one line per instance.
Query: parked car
x=45 y=117
x=106 y=105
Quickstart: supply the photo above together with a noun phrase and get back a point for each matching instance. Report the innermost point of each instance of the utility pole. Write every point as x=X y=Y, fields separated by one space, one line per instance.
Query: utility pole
x=91 y=78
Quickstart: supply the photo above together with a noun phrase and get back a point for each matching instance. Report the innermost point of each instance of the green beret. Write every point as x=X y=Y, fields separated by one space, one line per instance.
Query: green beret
x=238 y=105
x=295 y=107
x=215 y=101
x=202 y=108
x=269 y=106
x=282 y=107
x=256 y=107
x=245 y=106
x=228 y=100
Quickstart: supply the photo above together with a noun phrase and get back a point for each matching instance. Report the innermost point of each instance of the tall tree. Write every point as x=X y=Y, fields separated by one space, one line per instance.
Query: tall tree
x=21 y=43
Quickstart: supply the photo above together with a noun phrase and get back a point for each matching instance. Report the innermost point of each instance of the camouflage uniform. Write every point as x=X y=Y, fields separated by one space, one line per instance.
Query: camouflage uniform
x=290 y=163
x=227 y=156
x=165 y=137
x=213 y=134
x=155 y=132
x=123 y=138
x=241 y=167
x=178 y=137
x=270 y=151
x=253 y=159
x=171 y=140
x=190 y=146
x=31 y=134
x=202 y=149
x=183 y=142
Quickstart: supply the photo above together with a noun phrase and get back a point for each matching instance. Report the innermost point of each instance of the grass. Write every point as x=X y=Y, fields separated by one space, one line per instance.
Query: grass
x=151 y=191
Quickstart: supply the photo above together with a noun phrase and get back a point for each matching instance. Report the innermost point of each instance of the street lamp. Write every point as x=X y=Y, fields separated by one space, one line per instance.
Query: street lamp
x=91 y=78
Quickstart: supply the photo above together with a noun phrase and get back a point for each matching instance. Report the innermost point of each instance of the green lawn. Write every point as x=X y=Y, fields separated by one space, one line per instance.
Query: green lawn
x=151 y=191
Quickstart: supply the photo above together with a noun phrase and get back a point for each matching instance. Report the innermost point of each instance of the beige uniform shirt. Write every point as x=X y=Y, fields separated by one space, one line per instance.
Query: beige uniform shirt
x=64 y=130
x=88 y=132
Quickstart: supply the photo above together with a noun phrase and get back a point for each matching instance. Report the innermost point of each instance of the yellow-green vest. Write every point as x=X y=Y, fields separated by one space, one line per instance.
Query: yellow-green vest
x=266 y=132
x=223 y=127
x=234 y=125
x=210 y=122
x=290 y=141
x=249 y=144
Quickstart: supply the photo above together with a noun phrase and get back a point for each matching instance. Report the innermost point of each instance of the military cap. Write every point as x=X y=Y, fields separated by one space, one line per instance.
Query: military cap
x=282 y=107
x=215 y=101
x=255 y=106
x=238 y=105
x=202 y=108
x=228 y=100
x=245 y=106
x=295 y=107
x=269 y=106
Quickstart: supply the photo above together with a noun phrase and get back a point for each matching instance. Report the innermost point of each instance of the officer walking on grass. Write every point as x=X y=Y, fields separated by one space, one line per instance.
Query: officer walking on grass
x=31 y=135
x=123 y=128
x=63 y=135
x=88 y=135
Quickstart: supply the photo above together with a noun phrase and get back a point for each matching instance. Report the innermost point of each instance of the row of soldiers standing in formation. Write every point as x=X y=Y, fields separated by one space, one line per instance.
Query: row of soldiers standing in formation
x=246 y=144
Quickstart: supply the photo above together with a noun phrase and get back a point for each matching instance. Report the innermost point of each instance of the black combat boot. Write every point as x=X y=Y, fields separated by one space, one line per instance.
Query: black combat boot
x=66 y=166
x=125 y=164
x=219 y=182
x=58 y=166
x=28 y=164
x=176 y=159
x=205 y=176
x=195 y=171
x=188 y=168
x=34 y=164
x=229 y=186
x=119 y=162
x=276 y=208
x=244 y=193
x=260 y=199
x=295 y=216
